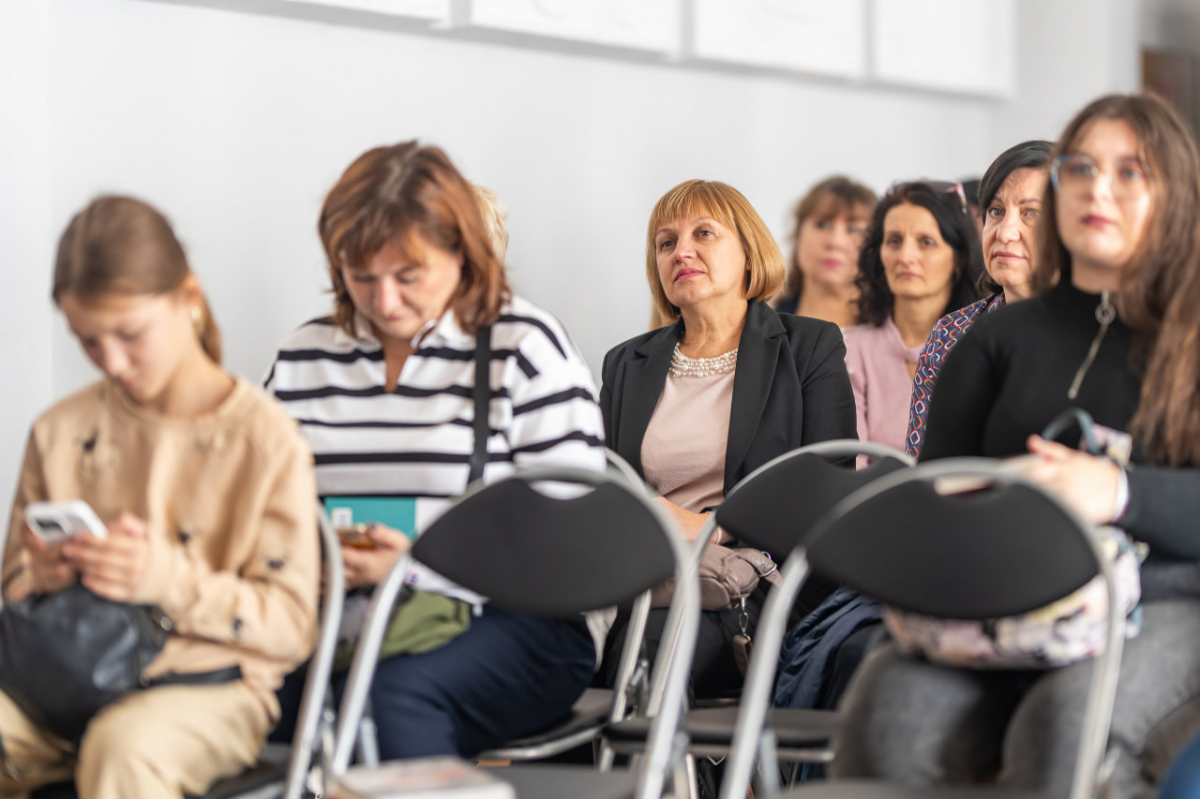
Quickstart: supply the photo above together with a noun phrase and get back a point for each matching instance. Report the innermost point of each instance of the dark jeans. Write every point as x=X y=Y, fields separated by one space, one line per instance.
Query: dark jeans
x=509 y=675
x=1184 y=780
x=921 y=724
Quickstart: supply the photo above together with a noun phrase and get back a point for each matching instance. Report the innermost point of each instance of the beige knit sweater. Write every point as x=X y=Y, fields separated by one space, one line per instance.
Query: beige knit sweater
x=229 y=503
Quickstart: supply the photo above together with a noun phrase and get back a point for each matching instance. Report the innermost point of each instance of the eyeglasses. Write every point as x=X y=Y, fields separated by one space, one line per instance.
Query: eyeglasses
x=940 y=187
x=1077 y=174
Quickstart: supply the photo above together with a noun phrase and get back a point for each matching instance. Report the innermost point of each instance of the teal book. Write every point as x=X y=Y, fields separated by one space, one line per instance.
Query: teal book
x=399 y=513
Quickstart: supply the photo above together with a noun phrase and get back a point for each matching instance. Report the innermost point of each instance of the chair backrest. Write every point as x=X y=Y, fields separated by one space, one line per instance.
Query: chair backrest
x=619 y=466
x=776 y=508
x=776 y=505
x=549 y=556
x=553 y=556
x=1003 y=547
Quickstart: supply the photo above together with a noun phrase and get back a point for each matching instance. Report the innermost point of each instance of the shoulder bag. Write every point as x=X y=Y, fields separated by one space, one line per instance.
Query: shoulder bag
x=65 y=656
x=727 y=576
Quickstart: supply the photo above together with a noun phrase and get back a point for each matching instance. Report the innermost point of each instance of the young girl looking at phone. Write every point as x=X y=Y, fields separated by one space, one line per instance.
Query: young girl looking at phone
x=207 y=491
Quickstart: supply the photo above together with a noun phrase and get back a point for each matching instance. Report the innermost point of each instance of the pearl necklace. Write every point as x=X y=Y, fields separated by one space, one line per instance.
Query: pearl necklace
x=683 y=366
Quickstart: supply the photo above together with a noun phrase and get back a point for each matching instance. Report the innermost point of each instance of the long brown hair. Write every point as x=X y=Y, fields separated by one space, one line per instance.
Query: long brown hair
x=121 y=245
x=390 y=194
x=1160 y=289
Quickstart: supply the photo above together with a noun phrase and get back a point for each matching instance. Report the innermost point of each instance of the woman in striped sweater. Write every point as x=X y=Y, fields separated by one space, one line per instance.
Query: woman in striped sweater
x=384 y=392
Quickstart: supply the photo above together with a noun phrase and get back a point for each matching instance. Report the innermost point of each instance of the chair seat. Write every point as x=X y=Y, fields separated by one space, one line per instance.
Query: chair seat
x=794 y=727
x=862 y=789
x=546 y=781
x=588 y=716
x=264 y=779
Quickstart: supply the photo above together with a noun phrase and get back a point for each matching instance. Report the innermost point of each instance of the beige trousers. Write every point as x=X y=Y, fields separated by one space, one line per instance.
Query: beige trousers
x=164 y=742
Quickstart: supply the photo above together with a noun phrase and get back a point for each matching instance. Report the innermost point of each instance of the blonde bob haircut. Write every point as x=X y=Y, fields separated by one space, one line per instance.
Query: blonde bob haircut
x=731 y=209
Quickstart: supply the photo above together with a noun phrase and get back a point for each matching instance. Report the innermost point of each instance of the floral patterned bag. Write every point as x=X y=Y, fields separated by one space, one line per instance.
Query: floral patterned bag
x=1071 y=629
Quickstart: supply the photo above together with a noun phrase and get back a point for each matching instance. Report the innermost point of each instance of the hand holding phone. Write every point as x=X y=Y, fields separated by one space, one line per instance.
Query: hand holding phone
x=48 y=526
x=357 y=536
x=53 y=522
x=114 y=566
x=369 y=566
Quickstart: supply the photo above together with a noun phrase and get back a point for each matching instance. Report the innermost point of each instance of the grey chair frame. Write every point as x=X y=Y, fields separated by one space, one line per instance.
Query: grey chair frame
x=320 y=668
x=835 y=448
x=1102 y=690
x=664 y=749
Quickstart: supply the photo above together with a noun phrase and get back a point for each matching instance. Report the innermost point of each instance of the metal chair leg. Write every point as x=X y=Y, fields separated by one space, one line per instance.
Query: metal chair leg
x=693 y=782
x=768 y=765
x=368 y=739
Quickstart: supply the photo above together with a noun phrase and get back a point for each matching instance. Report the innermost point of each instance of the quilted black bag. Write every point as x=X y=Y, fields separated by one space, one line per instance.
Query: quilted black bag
x=65 y=656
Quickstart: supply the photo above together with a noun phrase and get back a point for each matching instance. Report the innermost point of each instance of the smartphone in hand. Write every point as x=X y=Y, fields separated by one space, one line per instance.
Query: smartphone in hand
x=357 y=536
x=57 y=521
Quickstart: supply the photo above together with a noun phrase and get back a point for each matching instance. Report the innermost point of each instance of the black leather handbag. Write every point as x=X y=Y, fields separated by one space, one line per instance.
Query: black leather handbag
x=65 y=656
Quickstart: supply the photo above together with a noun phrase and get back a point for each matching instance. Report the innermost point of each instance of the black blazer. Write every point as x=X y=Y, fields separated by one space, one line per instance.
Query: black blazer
x=790 y=389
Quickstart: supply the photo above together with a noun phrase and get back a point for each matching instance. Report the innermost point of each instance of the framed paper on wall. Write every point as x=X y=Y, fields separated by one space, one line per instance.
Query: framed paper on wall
x=652 y=25
x=819 y=37
x=961 y=46
x=1172 y=76
x=433 y=10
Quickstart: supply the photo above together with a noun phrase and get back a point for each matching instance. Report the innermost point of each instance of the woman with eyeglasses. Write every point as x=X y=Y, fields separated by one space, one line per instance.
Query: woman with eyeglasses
x=1011 y=196
x=1113 y=330
x=920 y=261
x=827 y=231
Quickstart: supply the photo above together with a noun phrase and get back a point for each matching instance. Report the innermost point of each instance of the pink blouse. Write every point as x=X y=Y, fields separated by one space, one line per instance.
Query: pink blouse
x=683 y=451
x=877 y=361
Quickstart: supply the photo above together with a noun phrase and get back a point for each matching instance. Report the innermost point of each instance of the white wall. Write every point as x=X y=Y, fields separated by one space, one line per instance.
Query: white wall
x=1070 y=52
x=26 y=233
x=236 y=124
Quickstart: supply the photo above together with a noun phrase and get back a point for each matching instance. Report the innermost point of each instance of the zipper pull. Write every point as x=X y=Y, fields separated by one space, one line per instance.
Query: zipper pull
x=1106 y=313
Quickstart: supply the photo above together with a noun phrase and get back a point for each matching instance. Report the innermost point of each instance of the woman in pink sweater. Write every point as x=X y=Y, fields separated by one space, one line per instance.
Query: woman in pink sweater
x=921 y=260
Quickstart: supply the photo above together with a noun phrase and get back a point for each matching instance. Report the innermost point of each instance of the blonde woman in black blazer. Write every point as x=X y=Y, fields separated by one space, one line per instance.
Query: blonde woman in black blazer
x=711 y=264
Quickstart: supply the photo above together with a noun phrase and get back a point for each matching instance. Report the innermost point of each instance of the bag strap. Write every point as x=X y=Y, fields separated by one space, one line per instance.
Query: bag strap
x=482 y=393
x=1059 y=424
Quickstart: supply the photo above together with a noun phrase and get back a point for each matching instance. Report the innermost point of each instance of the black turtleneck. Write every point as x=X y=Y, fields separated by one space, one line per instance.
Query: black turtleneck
x=1009 y=376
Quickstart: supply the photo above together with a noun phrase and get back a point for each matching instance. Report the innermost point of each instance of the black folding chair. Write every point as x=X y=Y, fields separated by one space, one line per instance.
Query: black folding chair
x=912 y=541
x=553 y=557
x=597 y=707
x=772 y=509
x=282 y=770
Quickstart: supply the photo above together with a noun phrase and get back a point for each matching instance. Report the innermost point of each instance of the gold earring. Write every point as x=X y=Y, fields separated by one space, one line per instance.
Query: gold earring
x=197 y=317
